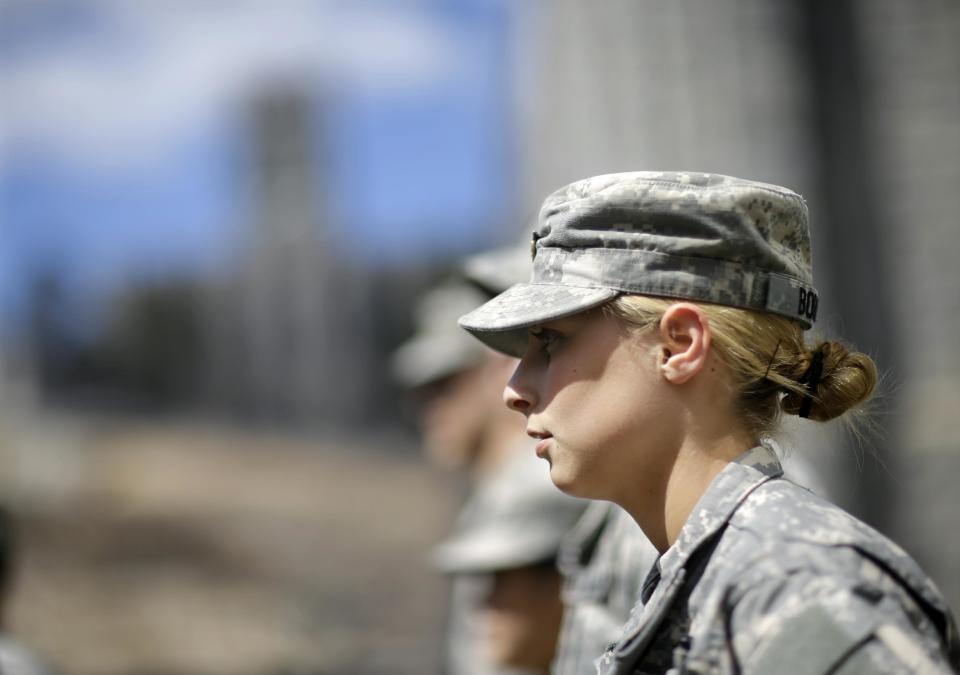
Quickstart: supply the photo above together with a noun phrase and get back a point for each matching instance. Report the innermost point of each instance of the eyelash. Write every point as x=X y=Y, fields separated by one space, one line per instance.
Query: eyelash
x=547 y=337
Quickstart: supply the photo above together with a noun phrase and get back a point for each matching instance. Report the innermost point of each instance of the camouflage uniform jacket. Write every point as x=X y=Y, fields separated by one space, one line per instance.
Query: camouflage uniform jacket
x=766 y=577
x=604 y=561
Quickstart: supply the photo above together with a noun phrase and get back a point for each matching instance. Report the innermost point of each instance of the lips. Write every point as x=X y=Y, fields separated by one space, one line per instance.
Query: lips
x=544 y=439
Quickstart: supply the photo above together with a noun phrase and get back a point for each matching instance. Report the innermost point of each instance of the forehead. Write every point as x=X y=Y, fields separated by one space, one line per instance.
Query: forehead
x=571 y=322
x=584 y=321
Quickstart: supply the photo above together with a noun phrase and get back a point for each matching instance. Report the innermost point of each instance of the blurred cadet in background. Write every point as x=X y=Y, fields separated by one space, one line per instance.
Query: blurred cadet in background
x=457 y=385
x=604 y=561
x=15 y=659
x=510 y=532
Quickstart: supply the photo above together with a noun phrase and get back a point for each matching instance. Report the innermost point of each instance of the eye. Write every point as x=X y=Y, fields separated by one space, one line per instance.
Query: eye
x=547 y=337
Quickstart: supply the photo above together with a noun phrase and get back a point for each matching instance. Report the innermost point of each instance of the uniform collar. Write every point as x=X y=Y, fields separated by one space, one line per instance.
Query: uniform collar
x=580 y=543
x=717 y=505
x=709 y=516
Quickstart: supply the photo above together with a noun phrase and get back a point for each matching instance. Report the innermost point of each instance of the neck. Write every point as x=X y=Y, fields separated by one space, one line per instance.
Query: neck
x=662 y=513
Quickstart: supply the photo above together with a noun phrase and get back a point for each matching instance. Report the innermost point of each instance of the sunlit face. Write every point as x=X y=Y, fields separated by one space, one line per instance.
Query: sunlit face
x=590 y=388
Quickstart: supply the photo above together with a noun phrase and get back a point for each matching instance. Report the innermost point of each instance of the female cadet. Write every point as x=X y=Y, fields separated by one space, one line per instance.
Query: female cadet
x=661 y=337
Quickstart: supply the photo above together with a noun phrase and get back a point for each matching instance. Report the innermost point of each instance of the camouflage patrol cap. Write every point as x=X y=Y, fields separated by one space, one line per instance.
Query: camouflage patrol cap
x=697 y=236
x=517 y=517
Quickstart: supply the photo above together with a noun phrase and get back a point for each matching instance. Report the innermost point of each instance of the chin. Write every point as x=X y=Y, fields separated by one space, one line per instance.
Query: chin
x=574 y=482
x=566 y=481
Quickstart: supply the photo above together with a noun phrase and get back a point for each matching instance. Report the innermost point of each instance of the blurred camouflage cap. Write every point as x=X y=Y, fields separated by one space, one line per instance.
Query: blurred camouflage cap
x=497 y=270
x=438 y=348
x=696 y=236
x=517 y=517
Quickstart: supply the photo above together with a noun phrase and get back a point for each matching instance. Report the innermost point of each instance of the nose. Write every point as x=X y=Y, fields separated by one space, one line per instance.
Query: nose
x=519 y=395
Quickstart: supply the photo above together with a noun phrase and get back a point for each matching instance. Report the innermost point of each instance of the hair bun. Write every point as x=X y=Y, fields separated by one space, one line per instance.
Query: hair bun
x=846 y=380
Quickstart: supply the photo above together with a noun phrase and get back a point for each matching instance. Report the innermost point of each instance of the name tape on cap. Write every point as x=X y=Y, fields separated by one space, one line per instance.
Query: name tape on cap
x=789 y=297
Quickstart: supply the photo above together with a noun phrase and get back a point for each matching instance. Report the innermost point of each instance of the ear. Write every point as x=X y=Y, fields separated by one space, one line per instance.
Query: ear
x=685 y=342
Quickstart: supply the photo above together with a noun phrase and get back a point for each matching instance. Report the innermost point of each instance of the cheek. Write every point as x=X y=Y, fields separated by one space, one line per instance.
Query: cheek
x=523 y=629
x=620 y=402
x=593 y=440
x=608 y=429
x=460 y=405
x=440 y=416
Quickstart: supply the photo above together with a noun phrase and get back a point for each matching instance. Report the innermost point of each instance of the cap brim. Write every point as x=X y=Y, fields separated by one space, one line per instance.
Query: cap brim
x=493 y=550
x=502 y=322
x=429 y=358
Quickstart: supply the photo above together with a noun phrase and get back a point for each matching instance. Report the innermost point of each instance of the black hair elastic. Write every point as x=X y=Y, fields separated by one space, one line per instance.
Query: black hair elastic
x=812 y=379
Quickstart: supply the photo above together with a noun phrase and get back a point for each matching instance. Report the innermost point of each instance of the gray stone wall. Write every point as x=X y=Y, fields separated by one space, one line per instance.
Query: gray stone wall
x=855 y=104
x=913 y=60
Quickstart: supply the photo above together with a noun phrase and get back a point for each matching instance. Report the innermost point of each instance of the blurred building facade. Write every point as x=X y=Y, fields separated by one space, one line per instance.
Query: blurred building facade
x=911 y=57
x=855 y=105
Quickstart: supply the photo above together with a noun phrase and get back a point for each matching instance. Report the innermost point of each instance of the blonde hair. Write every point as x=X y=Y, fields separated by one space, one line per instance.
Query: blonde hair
x=770 y=362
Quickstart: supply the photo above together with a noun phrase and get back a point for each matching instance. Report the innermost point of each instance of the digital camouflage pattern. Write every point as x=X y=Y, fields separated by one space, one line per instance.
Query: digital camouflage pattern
x=766 y=577
x=604 y=561
x=16 y=659
x=697 y=236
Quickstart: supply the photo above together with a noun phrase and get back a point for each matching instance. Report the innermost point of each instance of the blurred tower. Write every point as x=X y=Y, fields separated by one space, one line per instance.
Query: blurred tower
x=286 y=343
x=285 y=276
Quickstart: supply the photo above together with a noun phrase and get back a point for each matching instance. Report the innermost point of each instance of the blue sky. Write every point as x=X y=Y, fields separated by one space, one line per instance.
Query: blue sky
x=123 y=151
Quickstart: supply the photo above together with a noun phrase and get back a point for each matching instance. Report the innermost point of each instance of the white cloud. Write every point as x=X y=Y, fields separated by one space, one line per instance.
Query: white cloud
x=163 y=66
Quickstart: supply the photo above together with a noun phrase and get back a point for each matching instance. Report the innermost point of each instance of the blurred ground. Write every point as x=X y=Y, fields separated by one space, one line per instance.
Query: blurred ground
x=169 y=548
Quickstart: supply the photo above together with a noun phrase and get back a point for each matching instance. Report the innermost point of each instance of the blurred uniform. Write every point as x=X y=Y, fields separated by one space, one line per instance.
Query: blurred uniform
x=15 y=659
x=514 y=523
x=605 y=560
x=438 y=351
